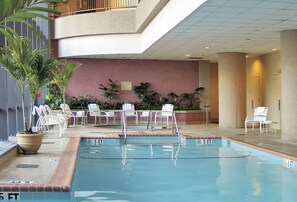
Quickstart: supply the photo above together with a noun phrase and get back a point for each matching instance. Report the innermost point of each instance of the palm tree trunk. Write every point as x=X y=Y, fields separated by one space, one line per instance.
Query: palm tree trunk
x=30 y=115
x=64 y=99
x=23 y=108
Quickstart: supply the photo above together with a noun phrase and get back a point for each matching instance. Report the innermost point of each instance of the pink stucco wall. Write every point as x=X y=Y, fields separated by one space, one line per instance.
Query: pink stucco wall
x=164 y=76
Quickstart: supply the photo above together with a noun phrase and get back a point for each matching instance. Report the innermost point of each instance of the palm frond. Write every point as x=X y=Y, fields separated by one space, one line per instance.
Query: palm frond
x=19 y=10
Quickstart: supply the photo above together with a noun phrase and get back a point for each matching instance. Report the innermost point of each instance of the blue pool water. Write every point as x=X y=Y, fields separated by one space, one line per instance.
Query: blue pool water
x=166 y=169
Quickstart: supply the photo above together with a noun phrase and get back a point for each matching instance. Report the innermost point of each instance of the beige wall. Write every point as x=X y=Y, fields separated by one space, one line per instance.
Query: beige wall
x=204 y=81
x=267 y=69
x=119 y=21
x=214 y=93
x=254 y=84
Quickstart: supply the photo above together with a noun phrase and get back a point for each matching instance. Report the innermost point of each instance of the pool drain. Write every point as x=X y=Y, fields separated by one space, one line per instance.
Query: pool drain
x=27 y=166
x=21 y=182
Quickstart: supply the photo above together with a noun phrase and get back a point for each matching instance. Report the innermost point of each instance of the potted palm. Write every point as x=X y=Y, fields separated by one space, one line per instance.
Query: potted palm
x=62 y=74
x=27 y=67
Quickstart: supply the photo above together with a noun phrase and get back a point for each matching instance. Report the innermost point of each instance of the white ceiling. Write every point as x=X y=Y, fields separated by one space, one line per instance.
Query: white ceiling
x=250 y=26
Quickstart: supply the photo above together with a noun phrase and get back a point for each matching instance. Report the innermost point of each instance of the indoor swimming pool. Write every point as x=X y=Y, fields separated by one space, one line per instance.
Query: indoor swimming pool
x=172 y=169
x=169 y=168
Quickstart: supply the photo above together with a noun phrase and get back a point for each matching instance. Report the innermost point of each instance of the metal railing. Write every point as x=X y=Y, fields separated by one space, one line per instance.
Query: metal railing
x=124 y=123
x=175 y=128
x=73 y=7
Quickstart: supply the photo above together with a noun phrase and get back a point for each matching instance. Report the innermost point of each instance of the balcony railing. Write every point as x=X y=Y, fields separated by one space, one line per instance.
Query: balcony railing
x=73 y=7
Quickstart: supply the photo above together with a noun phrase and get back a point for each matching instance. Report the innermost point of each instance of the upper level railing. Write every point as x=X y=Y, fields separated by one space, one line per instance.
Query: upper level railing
x=73 y=7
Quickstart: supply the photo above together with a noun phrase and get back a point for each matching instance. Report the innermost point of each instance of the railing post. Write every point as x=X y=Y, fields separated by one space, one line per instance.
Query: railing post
x=124 y=123
x=175 y=124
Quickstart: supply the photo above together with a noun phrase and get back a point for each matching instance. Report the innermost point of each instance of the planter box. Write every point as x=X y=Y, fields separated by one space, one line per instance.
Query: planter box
x=190 y=116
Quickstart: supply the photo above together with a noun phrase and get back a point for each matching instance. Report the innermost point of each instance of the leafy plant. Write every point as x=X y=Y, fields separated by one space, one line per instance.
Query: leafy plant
x=27 y=66
x=193 y=97
x=80 y=102
x=39 y=77
x=19 y=11
x=62 y=74
x=109 y=91
x=173 y=99
x=106 y=105
x=54 y=97
x=146 y=96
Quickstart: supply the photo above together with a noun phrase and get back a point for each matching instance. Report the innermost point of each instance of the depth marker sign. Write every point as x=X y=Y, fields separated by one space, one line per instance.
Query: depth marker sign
x=9 y=196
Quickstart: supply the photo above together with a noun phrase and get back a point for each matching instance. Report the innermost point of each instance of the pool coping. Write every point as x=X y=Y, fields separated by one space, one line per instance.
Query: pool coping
x=261 y=148
x=62 y=181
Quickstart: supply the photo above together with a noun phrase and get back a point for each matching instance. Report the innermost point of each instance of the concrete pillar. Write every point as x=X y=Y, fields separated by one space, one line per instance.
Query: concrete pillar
x=232 y=89
x=289 y=85
x=204 y=81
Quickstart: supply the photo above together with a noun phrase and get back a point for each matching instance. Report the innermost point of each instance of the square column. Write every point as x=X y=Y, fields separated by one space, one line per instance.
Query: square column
x=289 y=85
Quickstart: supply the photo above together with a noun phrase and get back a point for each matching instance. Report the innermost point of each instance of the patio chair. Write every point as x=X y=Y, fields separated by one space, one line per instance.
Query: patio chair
x=259 y=116
x=145 y=116
x=44 y=122
x=95 y=111
x=67 y=112
x=129 y=110
x=167 y=112
x=48 y=112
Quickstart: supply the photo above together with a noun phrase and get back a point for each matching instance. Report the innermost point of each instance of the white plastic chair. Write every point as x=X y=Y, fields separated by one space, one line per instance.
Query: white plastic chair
x=44 y=121
x=260 y=116
x=95 y=111
x=130 y=111
x=47 y=111
x=167 y=112
x=145 y=116
x=67 y=112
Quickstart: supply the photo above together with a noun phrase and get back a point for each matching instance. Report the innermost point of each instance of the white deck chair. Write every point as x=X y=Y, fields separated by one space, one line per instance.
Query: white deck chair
x=47 y=111
x=44 y=122
x=167 y=112
x=145 y=116
x=67 y=112
x=260 y=115
x=130 y=111
x=95 y=111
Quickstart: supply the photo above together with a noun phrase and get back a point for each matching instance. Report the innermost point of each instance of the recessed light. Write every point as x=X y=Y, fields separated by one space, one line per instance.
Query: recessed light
x=188 y=55
x=274 y=49
x=207 y=47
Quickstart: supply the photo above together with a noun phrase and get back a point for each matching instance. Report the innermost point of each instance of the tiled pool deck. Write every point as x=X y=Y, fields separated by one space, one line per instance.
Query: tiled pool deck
x=52 y=169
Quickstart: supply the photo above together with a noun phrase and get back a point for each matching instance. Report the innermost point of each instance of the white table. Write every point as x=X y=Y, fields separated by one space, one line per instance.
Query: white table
x=82 y=115
x=206 y=113
x=266 y=125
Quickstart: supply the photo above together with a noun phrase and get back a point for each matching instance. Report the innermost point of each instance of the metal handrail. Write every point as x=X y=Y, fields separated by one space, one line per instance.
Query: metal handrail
x=73 y=7
x=175 y=125
x=124 y=123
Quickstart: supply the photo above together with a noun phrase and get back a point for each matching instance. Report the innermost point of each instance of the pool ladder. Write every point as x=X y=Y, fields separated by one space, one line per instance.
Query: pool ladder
x=124 y=123
x=175 y=128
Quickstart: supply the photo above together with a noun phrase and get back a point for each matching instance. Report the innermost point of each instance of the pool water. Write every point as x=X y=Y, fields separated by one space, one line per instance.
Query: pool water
x=168 y=169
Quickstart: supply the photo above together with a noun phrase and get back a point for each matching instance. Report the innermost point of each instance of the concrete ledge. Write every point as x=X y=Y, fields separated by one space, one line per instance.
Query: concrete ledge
x=8 y=151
